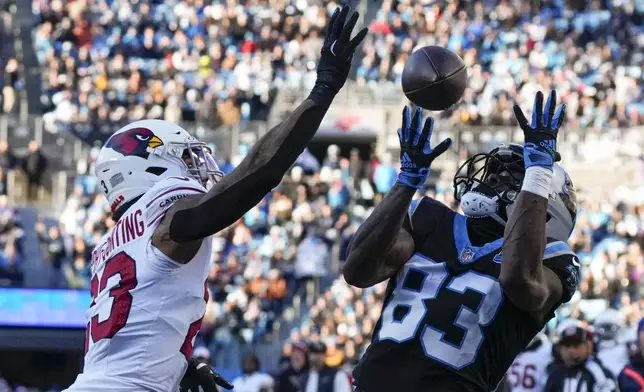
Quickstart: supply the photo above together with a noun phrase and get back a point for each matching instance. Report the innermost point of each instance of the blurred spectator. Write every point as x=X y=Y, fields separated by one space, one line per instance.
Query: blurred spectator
x=294 y=376
x=252 y=379
x=11 y=234
x=575 y=346
x=201 y=354
x=9 y=83
x=3 y=182
x=54 y=250
x=631 y=379
x=8 y=160
x=34 y=165
x=311 y=258
x=332 y=157
x=323 y=377
x=385 y=174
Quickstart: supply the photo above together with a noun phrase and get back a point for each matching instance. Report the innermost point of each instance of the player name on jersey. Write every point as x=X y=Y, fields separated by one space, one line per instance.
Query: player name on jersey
x=127 y=229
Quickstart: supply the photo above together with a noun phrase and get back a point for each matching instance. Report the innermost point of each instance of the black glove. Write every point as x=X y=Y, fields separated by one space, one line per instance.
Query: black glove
x=416 y=156
x=201 y=375
x=540 y=136
x=338 y=49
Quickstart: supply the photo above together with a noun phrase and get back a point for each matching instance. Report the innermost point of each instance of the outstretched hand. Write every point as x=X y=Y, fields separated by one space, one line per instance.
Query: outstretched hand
x=201 y=375
x=338 y=48
x=540 y=135
x=416 y=155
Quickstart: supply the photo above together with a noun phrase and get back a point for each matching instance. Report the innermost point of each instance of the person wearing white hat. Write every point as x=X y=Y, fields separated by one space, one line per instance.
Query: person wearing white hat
x=201 y=354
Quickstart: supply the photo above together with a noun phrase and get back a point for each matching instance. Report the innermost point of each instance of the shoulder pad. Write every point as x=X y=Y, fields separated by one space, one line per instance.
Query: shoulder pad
x=174 y=182
x=557 y=248
x=413 y=206
x=165 y=193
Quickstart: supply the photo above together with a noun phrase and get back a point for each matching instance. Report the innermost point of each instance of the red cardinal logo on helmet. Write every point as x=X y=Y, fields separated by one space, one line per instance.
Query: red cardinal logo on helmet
x=135 y=141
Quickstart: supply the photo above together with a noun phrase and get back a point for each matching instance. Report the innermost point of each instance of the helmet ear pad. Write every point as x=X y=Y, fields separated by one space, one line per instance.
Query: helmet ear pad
x=484 y=201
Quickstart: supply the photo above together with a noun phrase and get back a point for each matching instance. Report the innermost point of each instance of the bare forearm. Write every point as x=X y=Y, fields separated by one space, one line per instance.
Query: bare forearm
x=523 y=248
x=260 y=171
x=376 y=236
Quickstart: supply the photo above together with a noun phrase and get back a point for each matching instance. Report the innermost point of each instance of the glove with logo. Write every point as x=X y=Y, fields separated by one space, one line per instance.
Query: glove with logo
x=201 y=375
x=416 y=156
x=540 y=136
x=338 y=49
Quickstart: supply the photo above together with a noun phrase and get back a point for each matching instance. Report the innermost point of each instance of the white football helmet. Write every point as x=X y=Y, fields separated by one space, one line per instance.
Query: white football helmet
x=608 y=326
x=145 y=152
x=488 y=183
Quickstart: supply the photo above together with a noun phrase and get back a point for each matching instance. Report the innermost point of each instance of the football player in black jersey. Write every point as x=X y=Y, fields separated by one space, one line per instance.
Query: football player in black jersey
x=468 y=292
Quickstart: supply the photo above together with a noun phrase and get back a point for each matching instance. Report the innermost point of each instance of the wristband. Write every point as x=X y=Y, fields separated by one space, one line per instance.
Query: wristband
x=413 y=180
x=537 y=180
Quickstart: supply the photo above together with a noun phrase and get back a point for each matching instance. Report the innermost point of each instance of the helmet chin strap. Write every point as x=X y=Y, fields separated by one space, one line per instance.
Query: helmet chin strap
x=478 y=205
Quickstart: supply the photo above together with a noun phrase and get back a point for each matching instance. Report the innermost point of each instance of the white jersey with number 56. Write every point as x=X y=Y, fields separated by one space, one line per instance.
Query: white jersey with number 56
x=146 y=309
x=528 y=372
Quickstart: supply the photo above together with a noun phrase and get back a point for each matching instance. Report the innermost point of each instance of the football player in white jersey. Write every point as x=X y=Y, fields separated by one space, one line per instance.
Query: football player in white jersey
x=168 y=197
x=612 y=345
x=528 y=372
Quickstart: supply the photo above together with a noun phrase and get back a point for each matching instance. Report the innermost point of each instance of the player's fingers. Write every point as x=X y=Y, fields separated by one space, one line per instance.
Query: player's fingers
x=537 y=110
x=416 y=125
x=339 y=22
x=426 y=134
x=549 y=110
x=357 y=40
x=558 y=117
x=348 y=28
x=406 y=124
x=518 y=113
x=330 y=25
x=442 y=147
x=222 y=382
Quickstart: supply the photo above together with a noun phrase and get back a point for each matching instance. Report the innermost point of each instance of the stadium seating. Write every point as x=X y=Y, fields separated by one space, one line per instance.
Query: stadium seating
x=113 y=61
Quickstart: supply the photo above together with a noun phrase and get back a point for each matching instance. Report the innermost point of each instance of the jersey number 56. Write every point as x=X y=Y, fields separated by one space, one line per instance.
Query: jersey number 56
x=522 y=376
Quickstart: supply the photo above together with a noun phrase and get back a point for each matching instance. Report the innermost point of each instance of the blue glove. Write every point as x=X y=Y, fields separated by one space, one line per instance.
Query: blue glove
x=540 y=136
x=416 y=156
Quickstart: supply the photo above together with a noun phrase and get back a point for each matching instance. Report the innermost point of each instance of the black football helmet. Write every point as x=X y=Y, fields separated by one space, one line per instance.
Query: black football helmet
x=487 y=184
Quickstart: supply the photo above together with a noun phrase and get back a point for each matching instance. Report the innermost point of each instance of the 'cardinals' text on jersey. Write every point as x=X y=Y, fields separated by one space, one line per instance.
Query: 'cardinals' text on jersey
x=146 y=309
x=446 y=324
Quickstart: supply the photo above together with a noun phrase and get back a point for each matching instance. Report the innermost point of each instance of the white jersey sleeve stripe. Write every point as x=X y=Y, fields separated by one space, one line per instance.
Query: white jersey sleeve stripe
x=184 y=188
x=160 y=211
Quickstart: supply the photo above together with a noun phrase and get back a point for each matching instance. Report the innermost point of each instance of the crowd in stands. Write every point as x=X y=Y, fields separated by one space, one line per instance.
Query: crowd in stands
x=112 y=60
x=592 y=57
x=115 y=60
x=31 y=165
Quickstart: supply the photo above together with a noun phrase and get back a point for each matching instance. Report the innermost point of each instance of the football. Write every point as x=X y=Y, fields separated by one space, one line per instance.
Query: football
x=434 y=78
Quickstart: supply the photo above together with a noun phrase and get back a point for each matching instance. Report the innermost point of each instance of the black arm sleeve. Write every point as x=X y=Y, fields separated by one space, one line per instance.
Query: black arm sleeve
x=260 y=171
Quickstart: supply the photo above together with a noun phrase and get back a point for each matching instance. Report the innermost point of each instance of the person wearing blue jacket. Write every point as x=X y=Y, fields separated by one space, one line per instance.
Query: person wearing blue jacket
x=631 y=379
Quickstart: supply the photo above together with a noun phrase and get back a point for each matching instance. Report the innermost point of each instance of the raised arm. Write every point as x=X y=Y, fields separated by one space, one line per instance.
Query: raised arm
x=384 y=242
x=530 y=285
x=194 y=218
